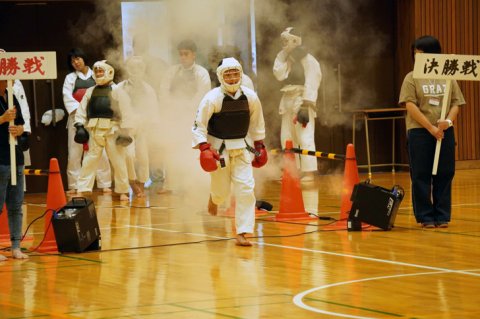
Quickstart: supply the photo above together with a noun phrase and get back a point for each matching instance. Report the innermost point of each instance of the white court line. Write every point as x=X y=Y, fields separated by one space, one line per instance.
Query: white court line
x=298 y=299
x=179 y=232
x=372 y=259
x=322 y=252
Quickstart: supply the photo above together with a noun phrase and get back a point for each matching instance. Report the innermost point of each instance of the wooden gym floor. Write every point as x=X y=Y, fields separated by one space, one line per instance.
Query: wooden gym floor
x=165 y=257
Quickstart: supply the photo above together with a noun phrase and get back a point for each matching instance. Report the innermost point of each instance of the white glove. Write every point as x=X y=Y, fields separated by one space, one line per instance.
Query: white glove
x=47 y=116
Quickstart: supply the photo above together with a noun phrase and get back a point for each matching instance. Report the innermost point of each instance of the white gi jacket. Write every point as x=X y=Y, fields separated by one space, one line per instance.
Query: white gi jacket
x=212 y=103
x=201 y=78
x=313 y=76
x=238 y=168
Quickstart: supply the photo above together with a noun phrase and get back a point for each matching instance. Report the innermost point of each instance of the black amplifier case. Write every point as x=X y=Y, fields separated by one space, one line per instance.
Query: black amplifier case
x=76 y=226
x=374 y=205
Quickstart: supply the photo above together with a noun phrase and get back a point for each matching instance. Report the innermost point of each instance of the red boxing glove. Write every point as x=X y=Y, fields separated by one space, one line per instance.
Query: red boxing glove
x=208 y=158
x=261 y=159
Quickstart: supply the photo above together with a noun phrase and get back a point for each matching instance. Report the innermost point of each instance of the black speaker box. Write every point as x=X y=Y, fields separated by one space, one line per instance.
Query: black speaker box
x=374 y=205
x=76 y=226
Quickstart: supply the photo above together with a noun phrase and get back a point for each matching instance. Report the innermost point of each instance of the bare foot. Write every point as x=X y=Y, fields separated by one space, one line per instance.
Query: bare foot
x=242 y=240
x=137 y=189
x=107 y=190
x=124 y=197
x=17 y=254
x=212 y=207
x=3 y=258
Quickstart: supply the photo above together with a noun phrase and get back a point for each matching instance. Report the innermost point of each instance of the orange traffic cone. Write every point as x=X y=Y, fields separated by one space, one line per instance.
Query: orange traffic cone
x=291 y=200
x=4 y=230
x=350 y=178
x=55 y=200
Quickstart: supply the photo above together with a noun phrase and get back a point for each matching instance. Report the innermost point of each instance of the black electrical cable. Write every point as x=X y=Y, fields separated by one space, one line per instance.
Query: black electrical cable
x=33 y=221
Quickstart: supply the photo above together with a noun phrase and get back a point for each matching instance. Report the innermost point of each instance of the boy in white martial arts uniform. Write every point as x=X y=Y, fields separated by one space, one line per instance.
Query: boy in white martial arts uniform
x=300 y=73
x=229 y=120
x=101 y=112
x=74 y=87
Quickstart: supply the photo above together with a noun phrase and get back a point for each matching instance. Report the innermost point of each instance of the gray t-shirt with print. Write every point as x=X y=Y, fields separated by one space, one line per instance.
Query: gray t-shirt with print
x=428 y=96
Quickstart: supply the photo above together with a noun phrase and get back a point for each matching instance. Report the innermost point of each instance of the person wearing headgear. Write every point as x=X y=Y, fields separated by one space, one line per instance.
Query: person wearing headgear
x=103 y=112
x=229 y=130
x=423 y=99
x=300 y=75
x=11 y=195
x=187 y=81
x=142 y=101
x=216 y=54
x=75 y=85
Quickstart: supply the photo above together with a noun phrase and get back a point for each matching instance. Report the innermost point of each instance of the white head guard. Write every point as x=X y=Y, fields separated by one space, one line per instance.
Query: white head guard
x=108 y=74
x=292 y=40
x=225 y=65
x=135 y=68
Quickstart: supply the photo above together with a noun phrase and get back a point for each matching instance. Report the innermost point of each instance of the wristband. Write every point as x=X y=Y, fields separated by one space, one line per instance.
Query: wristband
x=450 y=123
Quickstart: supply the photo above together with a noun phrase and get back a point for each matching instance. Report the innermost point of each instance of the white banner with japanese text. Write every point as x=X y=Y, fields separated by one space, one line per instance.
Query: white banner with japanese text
x=447 y=67
x=28 y=65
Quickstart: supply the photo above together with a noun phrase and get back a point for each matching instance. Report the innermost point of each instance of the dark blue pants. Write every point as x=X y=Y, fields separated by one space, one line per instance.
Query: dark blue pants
x=431 y=194
x=12 y=196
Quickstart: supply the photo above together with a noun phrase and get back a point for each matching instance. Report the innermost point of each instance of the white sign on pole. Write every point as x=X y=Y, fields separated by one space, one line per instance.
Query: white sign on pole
x=24 y=66
x=446 y=67
x=28 y=65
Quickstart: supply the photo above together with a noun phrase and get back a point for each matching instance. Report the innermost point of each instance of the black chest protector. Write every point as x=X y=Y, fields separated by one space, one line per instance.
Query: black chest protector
x=296 y=76
x=83 y=84
x=233 y=119
x=101 y=104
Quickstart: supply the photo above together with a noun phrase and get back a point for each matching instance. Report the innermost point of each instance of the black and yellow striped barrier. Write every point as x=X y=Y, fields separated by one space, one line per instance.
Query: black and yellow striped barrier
x=310 y=153
x=38 y=172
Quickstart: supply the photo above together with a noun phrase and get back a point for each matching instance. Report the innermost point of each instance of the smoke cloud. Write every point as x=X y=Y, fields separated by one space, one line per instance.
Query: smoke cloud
x=330 y=30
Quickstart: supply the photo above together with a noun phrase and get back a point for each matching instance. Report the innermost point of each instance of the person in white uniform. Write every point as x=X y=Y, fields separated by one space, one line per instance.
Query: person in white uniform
x=216 y=54
x=142 y=101
x=182 y=89
x=301 y=75
x=229 y=130
x=186 y=81
x=102 y=112
x=74 y=87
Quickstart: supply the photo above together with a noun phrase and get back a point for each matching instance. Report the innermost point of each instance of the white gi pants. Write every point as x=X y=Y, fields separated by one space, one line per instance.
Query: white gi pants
x=137 y=159
x=239 y=173
x=74 y=165
x=103 y=139
x=301 y=137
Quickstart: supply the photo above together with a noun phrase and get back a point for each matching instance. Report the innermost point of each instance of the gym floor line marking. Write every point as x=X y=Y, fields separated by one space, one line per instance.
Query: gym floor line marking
x=180 y=232
x=326 y=253
x=298 y=299
x=399 y=263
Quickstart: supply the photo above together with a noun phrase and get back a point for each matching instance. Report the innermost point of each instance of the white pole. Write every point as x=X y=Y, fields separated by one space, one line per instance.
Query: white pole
x=446 y=100
x=13 y=141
